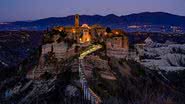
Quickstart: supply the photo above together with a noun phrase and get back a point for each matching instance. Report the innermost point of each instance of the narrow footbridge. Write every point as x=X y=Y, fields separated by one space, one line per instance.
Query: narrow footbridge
x=88 y=94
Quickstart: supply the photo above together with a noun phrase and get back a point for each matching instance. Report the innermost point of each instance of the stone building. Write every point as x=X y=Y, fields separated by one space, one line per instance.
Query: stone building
x=83 y=33
x=59 y=52
x=117 y=47
x=117 y=42
x=86 y=33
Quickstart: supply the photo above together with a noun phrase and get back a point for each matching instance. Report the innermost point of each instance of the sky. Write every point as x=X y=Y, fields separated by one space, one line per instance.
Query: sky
x=16 y=10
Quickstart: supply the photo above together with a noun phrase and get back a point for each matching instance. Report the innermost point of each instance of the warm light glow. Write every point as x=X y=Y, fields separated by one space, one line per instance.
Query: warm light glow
x=74 y=31
x=105 y=33
x=88 y=39
x=81 y=40
x=85 y=26
x=117 y=33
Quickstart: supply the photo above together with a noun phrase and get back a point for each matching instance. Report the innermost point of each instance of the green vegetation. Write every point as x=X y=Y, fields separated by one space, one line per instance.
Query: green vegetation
x=29 y=62
x=104 y=88
x=108 y=30
x=48 y=37
x=51 y=59
x=63 y=34
x=138 y=69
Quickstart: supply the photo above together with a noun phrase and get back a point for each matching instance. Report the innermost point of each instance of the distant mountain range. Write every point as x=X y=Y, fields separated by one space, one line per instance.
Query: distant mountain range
x=111 y=20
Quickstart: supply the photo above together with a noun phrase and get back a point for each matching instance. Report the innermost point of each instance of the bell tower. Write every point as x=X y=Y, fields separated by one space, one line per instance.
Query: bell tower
x=77 y=22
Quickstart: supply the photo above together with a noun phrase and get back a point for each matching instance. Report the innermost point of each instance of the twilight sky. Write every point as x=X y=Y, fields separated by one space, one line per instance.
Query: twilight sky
x=13 y=10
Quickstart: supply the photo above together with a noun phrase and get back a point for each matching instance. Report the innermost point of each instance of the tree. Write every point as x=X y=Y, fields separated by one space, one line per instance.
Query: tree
x=63 y=34
x=108 y=30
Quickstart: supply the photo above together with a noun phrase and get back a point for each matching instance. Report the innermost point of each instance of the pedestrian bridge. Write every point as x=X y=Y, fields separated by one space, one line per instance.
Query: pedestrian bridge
x=88 y=94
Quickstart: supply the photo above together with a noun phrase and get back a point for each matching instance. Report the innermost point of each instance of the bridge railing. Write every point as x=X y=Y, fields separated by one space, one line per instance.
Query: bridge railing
x=87 y=92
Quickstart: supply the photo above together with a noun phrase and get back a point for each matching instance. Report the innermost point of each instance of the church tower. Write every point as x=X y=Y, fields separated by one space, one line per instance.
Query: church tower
x=77 y=22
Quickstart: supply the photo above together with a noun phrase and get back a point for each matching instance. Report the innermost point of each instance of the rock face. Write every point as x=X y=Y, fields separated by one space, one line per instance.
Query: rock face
x=165 y=57
x=52 y=91
x=141 y=85
x=125 y=82
x=168 y=61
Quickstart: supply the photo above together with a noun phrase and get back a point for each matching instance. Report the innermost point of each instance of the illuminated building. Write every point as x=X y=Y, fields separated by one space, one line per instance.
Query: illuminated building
x=118 y=32
x=86 y=33
x=85 y=37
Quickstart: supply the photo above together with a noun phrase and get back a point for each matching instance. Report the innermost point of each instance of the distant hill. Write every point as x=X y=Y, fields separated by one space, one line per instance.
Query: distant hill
x=155 y=18
x=145 y=18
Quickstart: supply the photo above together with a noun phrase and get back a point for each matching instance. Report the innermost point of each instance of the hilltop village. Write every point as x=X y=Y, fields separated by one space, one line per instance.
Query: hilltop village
x=63 y=42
